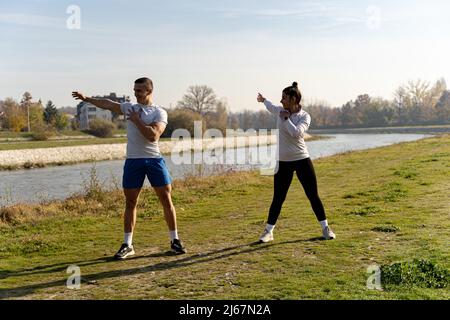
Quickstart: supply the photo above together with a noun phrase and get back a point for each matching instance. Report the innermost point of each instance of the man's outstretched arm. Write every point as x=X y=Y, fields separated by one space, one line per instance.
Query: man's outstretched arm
x=101 y=103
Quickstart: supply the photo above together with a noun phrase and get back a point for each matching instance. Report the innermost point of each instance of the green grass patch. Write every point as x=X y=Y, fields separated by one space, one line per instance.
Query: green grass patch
x=406 y=173
x=20 y=145
x=367 y=210
x=386 y=229
x=394 y=192
x=13 y=135
x=390 y=192
x=29 y=245
x=419 y=272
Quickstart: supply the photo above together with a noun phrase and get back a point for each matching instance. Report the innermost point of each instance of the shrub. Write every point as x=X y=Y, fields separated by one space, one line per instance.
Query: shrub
x=182 y=119
x=101 y=128
x=74 y=124
x=93 y=188
x=419 y=272
x=120 y=124
x=42 y=133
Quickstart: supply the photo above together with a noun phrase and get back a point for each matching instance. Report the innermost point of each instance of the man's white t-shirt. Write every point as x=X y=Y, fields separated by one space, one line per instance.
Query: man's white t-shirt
x=291 y=144
x=139 y=147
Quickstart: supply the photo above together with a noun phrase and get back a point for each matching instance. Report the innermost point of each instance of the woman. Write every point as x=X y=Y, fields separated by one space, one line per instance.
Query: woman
x=292 y=124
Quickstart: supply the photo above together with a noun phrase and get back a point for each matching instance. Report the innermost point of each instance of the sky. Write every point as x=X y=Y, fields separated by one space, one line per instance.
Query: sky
x=335 y=50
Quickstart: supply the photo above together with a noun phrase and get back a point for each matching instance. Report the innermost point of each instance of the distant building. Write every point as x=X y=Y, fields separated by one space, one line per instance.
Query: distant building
x=86 y=111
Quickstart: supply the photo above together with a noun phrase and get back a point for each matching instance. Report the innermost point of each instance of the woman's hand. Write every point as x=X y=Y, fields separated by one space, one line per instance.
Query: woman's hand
x=285 y=114
x=260 y=98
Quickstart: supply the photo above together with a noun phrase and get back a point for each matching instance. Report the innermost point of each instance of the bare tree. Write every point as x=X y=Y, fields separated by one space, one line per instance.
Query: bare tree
x=200 y=99
x=218 y=119
x=418 y=91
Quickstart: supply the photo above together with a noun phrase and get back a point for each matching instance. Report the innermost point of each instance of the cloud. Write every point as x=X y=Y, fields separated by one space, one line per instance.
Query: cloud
x=31 y=20
x=316 y=14
x=329 y=15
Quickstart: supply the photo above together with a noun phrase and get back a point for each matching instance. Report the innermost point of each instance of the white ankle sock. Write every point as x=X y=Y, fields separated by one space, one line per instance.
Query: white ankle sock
x=324 y=224
x=173 y=235
x=269 y=227
x=128 y=238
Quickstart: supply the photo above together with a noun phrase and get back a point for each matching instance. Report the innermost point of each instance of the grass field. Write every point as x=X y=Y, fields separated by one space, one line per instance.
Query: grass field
x=63 y=139
x=387 y=205
x=11 y=134
x=20 y=145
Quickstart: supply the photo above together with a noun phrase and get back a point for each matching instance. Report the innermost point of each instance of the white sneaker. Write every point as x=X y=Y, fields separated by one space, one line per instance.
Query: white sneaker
x=266 y=236
x=328 y=234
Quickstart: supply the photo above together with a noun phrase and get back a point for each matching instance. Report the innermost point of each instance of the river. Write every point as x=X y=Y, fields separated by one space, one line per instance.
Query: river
x=39 y=185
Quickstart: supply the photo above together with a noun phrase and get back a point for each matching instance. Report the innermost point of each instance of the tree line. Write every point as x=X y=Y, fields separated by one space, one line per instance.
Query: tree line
x=415 y=103
x=31 y=116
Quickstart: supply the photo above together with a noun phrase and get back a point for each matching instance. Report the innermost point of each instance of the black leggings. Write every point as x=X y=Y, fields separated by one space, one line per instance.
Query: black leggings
x=282 y=181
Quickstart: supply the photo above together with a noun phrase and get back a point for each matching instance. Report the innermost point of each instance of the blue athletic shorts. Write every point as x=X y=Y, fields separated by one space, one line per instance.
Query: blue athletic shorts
x=135 y=170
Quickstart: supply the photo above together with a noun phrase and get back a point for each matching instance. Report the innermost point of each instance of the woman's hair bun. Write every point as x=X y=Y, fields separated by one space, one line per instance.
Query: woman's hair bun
x=295 y=85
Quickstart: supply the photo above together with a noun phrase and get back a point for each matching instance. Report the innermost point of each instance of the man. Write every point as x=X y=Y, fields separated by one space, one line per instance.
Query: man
x=146 y=122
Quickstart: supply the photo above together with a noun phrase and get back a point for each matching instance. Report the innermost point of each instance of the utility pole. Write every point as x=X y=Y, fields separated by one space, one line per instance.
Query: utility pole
x=27 y=100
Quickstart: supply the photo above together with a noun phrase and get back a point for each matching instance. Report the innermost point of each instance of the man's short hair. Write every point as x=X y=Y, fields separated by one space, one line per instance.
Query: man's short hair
x=148 y=83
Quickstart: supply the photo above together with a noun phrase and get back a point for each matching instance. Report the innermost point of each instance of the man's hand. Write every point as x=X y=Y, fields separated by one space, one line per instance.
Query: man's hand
x=260 y=98
x=78 y=96
x=134 y=116
x=98 y=102
x=285 y=114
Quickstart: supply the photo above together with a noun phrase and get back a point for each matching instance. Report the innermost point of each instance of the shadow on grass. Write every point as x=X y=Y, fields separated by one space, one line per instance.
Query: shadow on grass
x=185 y=261
x=58 y=267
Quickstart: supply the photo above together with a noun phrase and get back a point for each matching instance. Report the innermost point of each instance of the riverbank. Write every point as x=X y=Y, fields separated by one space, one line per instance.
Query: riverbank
x=436 y=129
x=57 y=156
x=9 y=136
x=387 y=205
